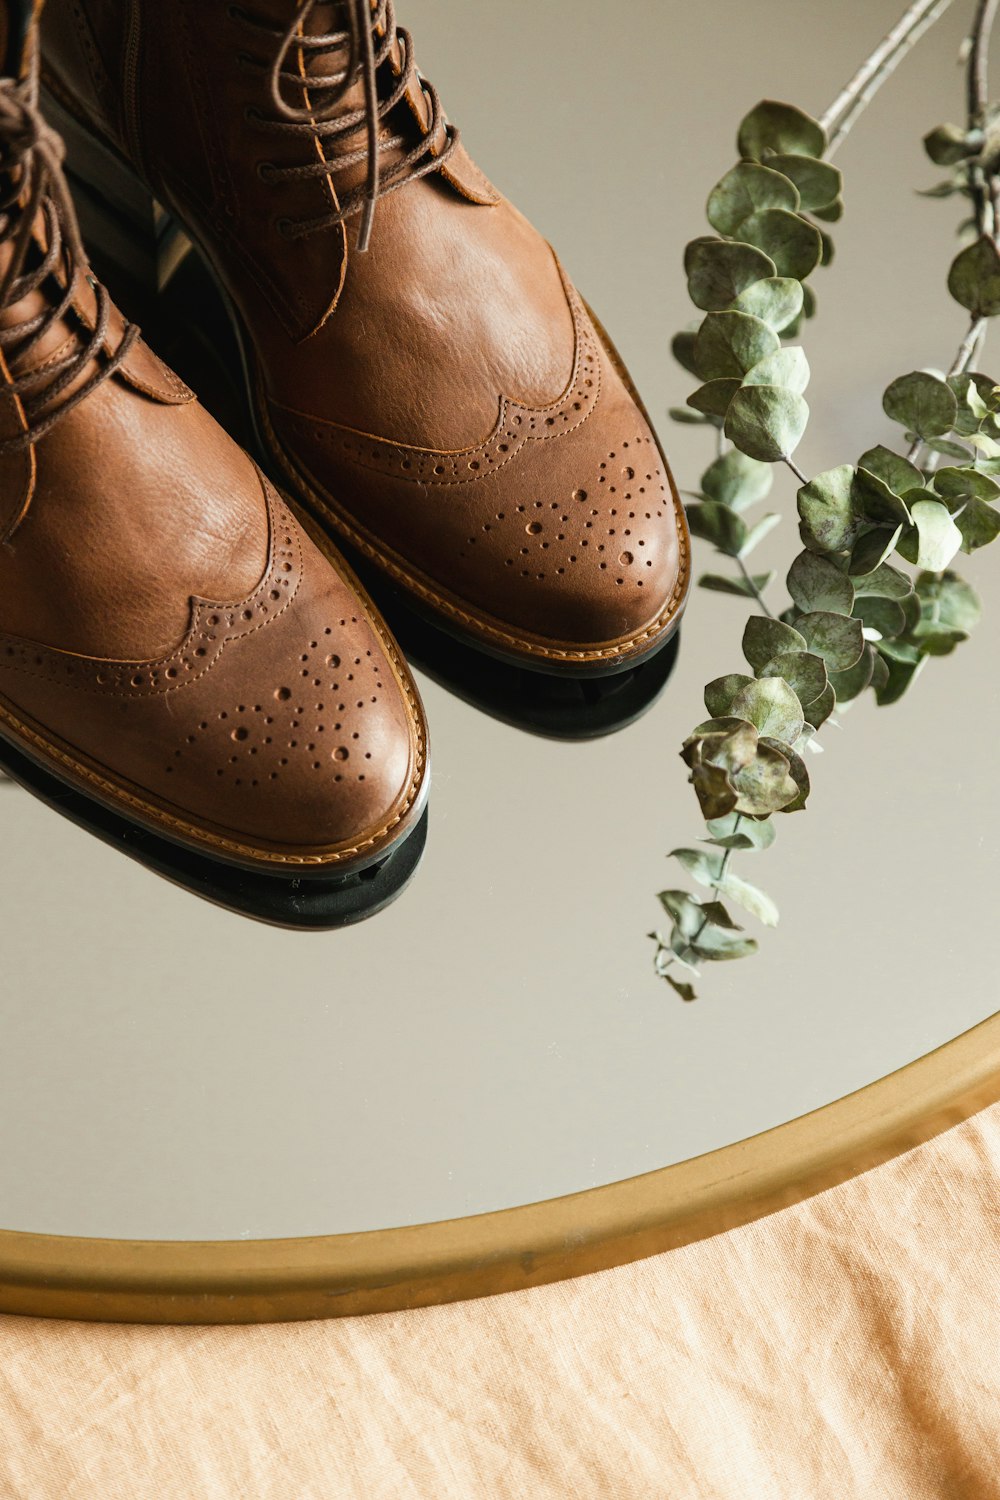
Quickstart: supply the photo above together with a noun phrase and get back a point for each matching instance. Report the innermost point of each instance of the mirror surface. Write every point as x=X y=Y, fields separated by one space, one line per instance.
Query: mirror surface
x=498 y=1036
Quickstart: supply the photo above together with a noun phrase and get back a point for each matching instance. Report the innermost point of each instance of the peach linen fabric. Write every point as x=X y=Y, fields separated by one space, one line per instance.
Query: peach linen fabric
x=848 y=1347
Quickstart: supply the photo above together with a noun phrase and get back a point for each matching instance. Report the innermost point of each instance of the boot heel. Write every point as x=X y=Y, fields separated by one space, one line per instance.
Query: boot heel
x=123 y=226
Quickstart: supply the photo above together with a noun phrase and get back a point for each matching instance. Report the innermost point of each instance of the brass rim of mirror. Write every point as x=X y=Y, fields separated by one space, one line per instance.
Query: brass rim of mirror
x=277 y=1280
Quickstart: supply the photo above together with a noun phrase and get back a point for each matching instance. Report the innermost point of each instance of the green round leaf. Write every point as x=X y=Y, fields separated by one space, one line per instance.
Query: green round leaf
x=838 y=640
x=957 y=605
x=719 y=270
x=682 y=348
x=871 y=551
x=958 y=482
x=974 y=278
x=719 y=694
x=830 y=510
x=792 y=243
x=938 y=537
x=851 y=684
x=742 y=191
x=819 y=184
x=785 y=367
x=881 y=614
x=777 y=301
x=816 y=584
x=947 y=145
x=895 y=472
x=764 y=639
x=766 y=785
x=766 y=421
x=772 y=707
x=884 y=582
x=737 y=480
x=796 y=770
x=819 y=710
x=779 y=128
x=979 y=524
x=922 y=403
x=730 y=343
x=718 y=524
x=714 y=396
x=805 y=674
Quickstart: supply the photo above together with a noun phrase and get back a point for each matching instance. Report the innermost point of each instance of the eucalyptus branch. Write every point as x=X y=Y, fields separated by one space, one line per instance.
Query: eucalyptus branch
x=879 y=66
x=856 y=620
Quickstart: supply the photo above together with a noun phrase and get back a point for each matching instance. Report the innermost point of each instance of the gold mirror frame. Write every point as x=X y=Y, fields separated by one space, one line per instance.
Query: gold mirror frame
x=277 y=1280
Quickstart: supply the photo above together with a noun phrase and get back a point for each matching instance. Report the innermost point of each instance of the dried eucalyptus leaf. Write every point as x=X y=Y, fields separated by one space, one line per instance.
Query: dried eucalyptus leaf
x=830 y=213
x=720 y=693
x=682 y=348
x=719 y=916
x=782 y=129
x=923 y=403
x=728 y=344
x=837 y=639
x=793 y=244
x=819 y=184
x=716 y=945
x=785 y=367
x=750 y=897
x=719 y=270
x=796 y=770
x=766 y=785
x=701 y=864
x=777 y=301
x=979 y=524
x=737 y=832
x=974 y=278
x=894 y=471
x=878 y=613
x=816 y=584
x=736 y=480
x=882 y=504
x=771 y=705
x=851 y=684
x=683 y=909
x=689 y=418
x=958 y=605
x=744 y=189
x=884 y=582
x=819 y=710
x=715 y=792
x=939 y=537
x=681 y=987
x=720 y=585
x=898 y=677
x=714 y=396
x=831 y=512
x=946 y=145
x=871 y=551
x=718 y=524
x=766 y=421
x=757 y=533
x=804 y=672
x=764 y=639
x=880 y=675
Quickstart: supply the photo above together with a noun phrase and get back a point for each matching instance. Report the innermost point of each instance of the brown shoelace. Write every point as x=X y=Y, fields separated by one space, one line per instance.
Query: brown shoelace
x=32 y=186
x=366 y=40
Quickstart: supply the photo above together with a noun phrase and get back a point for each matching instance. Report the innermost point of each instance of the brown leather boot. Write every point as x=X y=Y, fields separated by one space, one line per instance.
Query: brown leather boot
x=182 y=668
x=445 y=404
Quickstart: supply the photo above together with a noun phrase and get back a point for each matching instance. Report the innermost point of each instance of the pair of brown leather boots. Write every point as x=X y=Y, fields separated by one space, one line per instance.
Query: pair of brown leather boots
x=187 y=664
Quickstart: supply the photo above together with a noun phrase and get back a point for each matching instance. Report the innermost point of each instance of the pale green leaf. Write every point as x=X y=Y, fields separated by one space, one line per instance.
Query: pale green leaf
x=816 y=584
x=766 y=422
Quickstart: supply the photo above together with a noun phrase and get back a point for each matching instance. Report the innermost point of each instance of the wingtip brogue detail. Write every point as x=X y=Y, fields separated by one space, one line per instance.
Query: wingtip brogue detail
x=285 y=719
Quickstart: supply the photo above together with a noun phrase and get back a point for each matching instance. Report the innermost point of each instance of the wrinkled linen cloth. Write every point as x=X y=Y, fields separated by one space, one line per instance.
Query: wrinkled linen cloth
x=848 y=1347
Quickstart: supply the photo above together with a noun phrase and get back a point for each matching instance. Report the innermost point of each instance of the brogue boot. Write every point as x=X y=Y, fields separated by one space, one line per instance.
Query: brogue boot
x=183 y=668
x=423 y=375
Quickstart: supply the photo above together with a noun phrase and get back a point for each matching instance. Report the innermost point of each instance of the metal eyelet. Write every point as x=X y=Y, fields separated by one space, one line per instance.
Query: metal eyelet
x=265 y=171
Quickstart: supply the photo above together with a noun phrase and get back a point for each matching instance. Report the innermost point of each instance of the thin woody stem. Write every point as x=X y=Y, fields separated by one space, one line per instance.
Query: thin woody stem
x=877 y=67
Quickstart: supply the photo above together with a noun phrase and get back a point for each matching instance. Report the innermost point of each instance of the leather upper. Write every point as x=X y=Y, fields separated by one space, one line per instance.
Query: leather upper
x=172 y=641
x=435 y=399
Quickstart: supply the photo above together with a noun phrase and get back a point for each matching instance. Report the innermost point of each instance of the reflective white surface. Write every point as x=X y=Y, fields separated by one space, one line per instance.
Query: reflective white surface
x=497 y=1036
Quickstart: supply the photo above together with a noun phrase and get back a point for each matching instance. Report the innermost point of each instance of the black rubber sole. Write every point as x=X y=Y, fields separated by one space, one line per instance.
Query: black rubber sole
x=313 y=903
